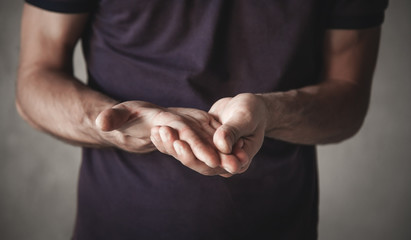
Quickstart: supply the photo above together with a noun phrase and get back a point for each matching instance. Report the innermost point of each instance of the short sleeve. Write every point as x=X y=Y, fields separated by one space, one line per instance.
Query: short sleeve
x=65 y=6
x=355 y=14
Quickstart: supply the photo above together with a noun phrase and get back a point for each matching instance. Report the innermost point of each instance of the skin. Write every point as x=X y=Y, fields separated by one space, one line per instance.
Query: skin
x=220 y=142
x=52 y=100
x=328 y=112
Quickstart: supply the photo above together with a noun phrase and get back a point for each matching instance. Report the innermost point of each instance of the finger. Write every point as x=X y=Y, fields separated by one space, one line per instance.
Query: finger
x=207 y=131
x=201 y=145
x=230 y=163
x=232 y=130
x=244 y=159
x=253 y=143
x=218 y=107
x=112 y=118
x=214 y=124
x=234 y=162
x=197 y=134
x=225 y=137
x=156 y=139
x=203 y=148
x=168 y=135
x=245 y=151
x=188 y=159
x=239 y=144
x=238 y=161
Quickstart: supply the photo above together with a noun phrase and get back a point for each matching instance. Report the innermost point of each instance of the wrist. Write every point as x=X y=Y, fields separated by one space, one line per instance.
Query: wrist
x=283 y=112
x=93 y=119
x=266 y=106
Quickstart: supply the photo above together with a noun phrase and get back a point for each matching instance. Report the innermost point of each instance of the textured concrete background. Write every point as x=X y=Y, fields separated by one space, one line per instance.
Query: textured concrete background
x=365 y=181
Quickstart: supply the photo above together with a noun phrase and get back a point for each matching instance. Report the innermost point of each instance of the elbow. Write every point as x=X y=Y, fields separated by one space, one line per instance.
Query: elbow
x=20 y=107
x=349 y=132
x=356 y=126
x=23 y=115
x=356 y=119
x=21 y=112
x=18 y=102
x=345 y=130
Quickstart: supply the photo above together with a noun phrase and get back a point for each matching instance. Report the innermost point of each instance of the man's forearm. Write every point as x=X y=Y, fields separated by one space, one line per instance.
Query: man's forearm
x=58 y=104
x=324 y=113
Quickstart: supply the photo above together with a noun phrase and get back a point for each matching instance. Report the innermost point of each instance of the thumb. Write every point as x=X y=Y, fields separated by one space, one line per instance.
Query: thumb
x=112 y=118
x=225 y=137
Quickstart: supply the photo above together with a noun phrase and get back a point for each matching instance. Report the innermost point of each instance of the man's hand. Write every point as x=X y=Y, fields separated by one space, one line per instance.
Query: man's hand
x=241 y=134
x=183 y=133
x=237 y=136
x=127 y=125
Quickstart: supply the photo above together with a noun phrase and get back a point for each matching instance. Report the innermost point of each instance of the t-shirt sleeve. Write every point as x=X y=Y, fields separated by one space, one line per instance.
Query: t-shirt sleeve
x=354 y=14
x=64 y=6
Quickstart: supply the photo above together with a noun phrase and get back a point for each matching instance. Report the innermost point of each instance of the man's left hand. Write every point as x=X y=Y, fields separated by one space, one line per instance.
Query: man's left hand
x=243 y=120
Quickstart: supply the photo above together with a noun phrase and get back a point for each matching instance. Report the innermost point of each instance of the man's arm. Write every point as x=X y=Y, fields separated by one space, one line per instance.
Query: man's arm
x=331 y=111
x=52 y=100
x=334 y=109
x=48 y=96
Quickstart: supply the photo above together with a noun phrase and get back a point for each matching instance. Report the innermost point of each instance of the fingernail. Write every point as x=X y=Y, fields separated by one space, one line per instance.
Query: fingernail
x=211 y=164
x=229 y=169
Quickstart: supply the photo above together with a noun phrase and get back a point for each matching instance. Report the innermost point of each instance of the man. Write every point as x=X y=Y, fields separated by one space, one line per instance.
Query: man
x=276 y=78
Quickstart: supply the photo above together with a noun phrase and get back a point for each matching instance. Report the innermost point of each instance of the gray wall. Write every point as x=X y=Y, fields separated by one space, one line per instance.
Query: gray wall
x=365 y=192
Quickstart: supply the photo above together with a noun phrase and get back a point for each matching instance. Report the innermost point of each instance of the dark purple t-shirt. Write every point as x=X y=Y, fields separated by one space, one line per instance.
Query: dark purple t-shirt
x=190 y=54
